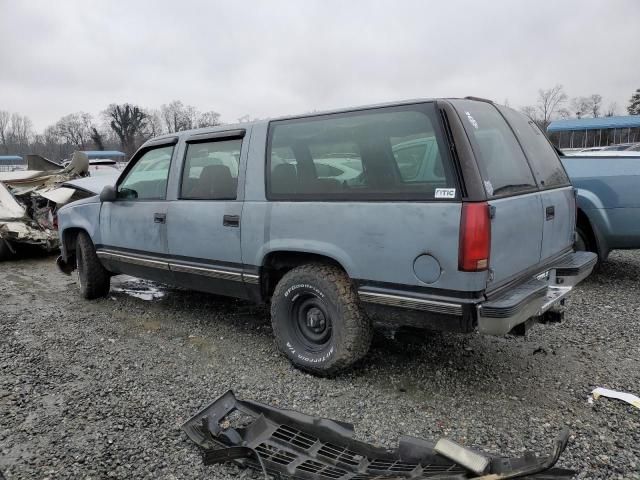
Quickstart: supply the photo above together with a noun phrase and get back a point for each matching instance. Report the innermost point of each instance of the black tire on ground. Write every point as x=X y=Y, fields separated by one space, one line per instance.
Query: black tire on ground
x=584 y=242
x=93 y=279
x=5 y=251
x=317 y=320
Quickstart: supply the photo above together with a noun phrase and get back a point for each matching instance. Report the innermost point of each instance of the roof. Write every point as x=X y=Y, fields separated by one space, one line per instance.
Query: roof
x=92 y=154
x=244 y=125
x=628 y=121
x=11 y=160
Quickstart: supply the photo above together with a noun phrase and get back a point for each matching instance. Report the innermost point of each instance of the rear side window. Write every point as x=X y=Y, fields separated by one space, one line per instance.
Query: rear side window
x=501 y=161
x=211 y=170
x=386 y=154
x=542 y=157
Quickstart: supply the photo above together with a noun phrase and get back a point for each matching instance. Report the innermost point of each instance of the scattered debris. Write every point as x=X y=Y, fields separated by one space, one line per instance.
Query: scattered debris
x=29 y=200
x=137 y=287
x=625 y=397
x=289 y=444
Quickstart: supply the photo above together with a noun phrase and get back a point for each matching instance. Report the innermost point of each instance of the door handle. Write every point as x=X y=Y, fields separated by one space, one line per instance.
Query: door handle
x=231 y=220
x=159 y=218
x=550 y=212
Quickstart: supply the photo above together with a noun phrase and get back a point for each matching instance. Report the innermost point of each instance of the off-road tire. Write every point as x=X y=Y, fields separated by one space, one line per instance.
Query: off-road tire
x=93 y=279
x=329 y=288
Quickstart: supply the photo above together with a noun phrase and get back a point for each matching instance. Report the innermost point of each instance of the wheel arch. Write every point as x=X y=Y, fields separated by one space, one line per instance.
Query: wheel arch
x=68 y=242
x=276 y=263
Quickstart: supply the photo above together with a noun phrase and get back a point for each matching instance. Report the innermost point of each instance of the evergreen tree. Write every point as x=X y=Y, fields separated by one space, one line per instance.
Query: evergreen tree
x=634 y=103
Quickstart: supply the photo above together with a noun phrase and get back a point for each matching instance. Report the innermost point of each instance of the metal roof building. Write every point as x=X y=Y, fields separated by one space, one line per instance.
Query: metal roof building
x=111 y=154
x=10 y=162
x=628 y=121
x=594 y=132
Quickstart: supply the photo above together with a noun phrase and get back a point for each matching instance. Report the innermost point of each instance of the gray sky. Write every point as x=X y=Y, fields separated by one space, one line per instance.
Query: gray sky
x=269 y=58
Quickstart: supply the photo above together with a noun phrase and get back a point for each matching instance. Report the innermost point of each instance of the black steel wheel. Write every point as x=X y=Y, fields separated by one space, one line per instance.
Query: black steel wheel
x=317 y=320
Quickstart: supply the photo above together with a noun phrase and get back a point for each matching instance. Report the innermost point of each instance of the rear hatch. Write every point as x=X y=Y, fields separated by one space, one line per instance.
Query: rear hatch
x=531 y=201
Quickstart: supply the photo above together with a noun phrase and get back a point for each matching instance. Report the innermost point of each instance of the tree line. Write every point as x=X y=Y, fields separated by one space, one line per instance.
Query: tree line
x=119 y=127
x=126 y=126
x=554 y=104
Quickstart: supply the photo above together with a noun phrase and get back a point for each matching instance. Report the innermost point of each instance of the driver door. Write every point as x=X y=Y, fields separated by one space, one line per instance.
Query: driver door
x=133 y=227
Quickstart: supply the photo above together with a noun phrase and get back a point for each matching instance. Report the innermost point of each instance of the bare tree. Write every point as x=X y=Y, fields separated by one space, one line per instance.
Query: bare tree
x=129 y=122
x=612 y=110
x=596 y=104
x=155 y=124
x=4 y=129
x=20 y=131
x=178 y=117
x=549 y=102
x=531 y=112
x=75 y=129
x=581 y=106
x=209 y=119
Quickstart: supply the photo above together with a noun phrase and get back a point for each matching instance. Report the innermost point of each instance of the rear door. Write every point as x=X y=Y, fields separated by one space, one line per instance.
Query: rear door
x=556 y=192
x=517 y=223
x=204 y=222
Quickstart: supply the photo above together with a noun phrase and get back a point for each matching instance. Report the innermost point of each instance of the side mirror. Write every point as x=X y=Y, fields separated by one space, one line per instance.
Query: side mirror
x=108 y=194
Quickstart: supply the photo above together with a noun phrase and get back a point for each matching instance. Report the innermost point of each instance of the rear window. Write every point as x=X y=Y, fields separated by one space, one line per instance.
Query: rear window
x=390 y=153
x=546 y=165
x=501 y=161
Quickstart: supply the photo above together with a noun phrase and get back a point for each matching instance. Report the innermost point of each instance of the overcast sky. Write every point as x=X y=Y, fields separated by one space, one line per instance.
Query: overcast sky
x=269 y=58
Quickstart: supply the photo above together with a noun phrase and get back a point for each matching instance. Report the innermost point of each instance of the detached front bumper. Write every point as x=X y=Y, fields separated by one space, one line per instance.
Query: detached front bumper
x=531 y=300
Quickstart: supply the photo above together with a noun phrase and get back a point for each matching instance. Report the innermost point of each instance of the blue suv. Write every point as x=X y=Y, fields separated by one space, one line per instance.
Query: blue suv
x=448 y=214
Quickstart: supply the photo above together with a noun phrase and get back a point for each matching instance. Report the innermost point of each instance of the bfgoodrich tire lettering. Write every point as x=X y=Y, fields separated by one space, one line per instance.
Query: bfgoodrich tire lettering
x=317 y=321
x=93 y=279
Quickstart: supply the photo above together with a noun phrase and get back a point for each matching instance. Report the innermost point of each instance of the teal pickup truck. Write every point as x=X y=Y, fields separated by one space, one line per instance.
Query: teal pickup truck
x=608 y=201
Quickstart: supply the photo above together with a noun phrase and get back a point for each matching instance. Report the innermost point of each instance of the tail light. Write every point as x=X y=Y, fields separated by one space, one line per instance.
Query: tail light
x=475 y=237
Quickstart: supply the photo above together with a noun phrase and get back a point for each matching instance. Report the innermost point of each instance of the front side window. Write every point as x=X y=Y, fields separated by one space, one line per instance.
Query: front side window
x=546 y=165
x=211 y=170
x=503 y=166
x=147 y=179
x=390 y=153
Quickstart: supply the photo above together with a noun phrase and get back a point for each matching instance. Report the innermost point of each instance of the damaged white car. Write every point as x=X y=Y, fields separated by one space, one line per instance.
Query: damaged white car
x=29 y=200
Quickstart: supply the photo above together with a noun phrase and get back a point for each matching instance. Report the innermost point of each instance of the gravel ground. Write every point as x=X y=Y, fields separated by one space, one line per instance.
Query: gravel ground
x=99 y=389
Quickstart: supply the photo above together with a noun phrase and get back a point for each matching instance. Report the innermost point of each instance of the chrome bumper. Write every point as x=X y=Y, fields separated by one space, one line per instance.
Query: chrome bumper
x=543 y=292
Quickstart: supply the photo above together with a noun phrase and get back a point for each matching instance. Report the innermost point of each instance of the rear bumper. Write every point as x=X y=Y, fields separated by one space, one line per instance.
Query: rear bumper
x=544 y=292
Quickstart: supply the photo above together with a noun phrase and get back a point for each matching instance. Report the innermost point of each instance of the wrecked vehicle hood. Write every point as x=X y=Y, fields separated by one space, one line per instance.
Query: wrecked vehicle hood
x=10 y=208
x=93 y=184
x=30 y=199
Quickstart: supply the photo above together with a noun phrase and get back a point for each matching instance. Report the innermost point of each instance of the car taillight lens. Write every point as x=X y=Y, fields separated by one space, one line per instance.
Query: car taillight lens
x=475 y=237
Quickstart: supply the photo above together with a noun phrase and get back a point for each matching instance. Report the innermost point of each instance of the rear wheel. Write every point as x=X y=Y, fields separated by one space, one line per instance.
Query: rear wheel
x=317 y=320
x=93 y=279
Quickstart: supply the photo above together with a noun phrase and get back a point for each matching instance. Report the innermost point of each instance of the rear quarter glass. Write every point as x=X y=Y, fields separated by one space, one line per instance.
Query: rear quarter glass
x=501 y=161
x=544 y=161
x=384 y=154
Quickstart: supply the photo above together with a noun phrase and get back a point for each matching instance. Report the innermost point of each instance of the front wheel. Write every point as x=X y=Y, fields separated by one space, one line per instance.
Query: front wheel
x=317 y=320
x=5 y=250
x=93 y=279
